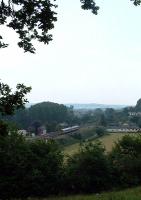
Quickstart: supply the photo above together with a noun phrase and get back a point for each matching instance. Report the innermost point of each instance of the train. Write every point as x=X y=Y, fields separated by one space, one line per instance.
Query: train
x=70 y=129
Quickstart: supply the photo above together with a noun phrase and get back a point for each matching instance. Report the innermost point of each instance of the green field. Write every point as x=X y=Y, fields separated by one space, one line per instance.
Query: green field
x=130 y=194
x=107 y=140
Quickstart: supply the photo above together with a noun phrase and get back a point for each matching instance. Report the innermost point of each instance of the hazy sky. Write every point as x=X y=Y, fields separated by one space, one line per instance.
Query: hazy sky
x=92 y=59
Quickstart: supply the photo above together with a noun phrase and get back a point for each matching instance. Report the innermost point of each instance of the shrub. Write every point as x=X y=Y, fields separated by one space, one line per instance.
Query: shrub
x=88 y=170
x=29 y=168
x=126 y=161
x=100 y=131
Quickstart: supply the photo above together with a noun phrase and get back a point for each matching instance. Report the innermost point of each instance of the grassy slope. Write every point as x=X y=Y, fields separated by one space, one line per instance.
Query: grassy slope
x=107 y=140
x=130 y=194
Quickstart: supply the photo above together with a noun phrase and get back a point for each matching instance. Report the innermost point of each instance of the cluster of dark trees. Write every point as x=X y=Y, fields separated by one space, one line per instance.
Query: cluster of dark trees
x=37 y=169
x=105 y=117
x=53 y=116
x=47 y=114
x=112 y=117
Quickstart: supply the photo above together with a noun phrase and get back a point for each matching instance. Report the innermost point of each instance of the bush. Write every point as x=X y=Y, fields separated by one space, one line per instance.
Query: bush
x=88 y=170
x=36 y=169
x=100 y=131
x=4 y=128
x=126 y=161
x=29 y=168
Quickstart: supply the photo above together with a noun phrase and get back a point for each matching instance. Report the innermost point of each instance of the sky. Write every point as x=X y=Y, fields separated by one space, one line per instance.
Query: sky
x=92 y=59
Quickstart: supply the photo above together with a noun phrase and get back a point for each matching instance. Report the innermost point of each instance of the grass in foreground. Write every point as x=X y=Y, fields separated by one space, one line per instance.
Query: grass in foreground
x=130 y=194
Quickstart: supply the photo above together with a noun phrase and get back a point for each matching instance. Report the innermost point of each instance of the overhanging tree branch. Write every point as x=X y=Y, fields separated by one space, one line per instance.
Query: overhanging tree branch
x=11 y=101
x=33 y=19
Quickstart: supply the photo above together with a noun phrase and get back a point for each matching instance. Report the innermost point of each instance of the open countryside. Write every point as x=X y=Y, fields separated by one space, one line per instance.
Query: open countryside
x=70 y=100
x=108 y=141
x=84 y=151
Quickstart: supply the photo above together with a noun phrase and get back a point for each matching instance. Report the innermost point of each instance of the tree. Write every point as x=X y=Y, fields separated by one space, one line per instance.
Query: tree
x=110 y=115
x=136 y=2
x=100 y=131
x=88 y=170
x=36 y=125
x=9 y=102
x=138 y=106
x=29 y=169
x=102 y=120
x=3 y=128
x=126 y=161
x=33 y=19
x=48 y=113
x=51 y=126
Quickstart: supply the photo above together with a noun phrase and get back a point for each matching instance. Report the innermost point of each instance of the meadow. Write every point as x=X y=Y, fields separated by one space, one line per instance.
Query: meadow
x=108 y=142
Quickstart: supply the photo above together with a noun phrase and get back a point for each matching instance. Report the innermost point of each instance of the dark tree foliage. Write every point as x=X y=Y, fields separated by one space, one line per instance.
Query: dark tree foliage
x=32 y=19
x=88 y=170
x=126 y=161
x=89 y=5
x=48 y=114
x=9 y=102
x=36 y=125
x=3 y=128
x=29 y=168
x=136 y=2
x=100 y=131
x=138 y=106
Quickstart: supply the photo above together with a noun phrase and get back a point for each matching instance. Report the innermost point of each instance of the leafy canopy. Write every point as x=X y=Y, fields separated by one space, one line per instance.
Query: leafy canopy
x=33 y=19
x=9 y=102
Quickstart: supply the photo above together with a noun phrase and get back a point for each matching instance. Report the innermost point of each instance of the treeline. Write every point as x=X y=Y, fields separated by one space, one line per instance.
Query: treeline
x=46 y=114
x=37 y=169
x=54 y=116
x=130 y=116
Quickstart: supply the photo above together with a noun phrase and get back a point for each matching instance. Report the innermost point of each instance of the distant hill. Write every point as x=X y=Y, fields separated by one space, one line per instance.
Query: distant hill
x=92 y=106
x=87 y=106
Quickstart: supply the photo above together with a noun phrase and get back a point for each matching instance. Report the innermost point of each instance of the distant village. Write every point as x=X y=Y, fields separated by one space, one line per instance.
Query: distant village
x=42 y=133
